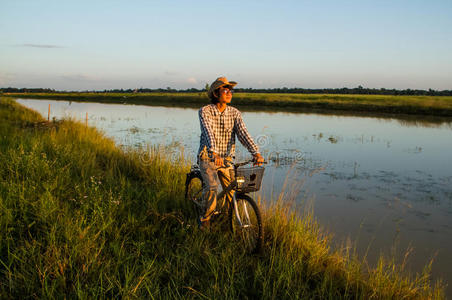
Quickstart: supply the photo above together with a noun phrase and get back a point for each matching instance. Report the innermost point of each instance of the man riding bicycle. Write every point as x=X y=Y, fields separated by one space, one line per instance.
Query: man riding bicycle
x=220 y=124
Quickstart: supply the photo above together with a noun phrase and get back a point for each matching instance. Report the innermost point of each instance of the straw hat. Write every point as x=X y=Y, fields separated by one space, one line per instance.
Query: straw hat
x=218 y=83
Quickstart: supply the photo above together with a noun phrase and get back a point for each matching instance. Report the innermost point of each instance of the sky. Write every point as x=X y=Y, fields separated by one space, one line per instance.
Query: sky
x=96 y=45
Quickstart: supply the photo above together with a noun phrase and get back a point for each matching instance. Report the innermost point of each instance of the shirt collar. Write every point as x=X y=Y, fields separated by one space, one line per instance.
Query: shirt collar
x=216 y=111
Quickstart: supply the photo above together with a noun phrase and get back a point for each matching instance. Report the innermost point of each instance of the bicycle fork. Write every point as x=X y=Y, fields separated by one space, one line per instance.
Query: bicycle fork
x=237 y=214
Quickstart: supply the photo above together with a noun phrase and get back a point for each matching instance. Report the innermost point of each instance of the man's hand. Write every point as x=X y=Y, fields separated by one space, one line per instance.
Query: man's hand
x=258 y=159
x=217 y=159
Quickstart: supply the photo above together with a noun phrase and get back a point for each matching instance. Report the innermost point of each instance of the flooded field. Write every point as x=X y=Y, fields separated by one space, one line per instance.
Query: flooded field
x=382 y=184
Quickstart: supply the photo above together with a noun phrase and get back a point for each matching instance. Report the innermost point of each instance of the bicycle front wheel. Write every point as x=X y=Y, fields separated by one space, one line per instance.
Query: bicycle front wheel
x=246 y=223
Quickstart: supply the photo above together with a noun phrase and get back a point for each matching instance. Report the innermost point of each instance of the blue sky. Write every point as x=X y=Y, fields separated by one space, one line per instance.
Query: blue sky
x=78 y=45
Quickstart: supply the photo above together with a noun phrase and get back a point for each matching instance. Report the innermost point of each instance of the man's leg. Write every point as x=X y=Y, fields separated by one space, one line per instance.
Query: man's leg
x=224 y=174
x=209 y=176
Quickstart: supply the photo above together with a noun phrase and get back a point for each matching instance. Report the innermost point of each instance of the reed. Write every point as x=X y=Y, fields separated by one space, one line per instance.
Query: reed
x=83 y=218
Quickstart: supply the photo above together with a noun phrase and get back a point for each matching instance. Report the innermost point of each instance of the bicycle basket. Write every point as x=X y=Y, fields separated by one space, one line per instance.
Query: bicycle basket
x=249 y=178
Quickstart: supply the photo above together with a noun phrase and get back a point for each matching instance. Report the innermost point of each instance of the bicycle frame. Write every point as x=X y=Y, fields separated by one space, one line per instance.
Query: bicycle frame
x=222 y=194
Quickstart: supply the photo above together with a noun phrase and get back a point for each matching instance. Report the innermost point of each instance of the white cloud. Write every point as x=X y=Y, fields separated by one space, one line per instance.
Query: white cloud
x=192 y=80
x=39 y=46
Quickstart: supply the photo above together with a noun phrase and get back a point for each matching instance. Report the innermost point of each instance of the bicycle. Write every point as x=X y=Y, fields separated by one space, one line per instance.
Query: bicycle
x=244 y=217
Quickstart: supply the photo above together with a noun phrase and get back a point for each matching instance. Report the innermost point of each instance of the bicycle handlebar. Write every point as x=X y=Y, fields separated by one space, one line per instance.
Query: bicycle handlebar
x=245 y=163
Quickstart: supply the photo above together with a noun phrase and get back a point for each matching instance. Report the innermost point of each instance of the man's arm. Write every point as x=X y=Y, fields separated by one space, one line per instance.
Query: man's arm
x=206 y=128
x=244 y=136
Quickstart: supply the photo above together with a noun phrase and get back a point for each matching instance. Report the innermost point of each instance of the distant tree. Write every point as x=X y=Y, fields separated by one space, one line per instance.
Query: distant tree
x=348 y=91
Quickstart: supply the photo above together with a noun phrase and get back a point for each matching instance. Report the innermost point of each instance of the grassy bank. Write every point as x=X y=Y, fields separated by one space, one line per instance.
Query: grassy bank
x=410 y=105
x=82 y=218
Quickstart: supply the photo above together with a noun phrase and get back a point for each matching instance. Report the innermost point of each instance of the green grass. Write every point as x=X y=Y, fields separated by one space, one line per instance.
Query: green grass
x=82 y=218
x=411 y=105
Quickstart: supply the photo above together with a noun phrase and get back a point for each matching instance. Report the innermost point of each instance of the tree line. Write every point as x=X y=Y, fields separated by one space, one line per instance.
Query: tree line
x=284 y=90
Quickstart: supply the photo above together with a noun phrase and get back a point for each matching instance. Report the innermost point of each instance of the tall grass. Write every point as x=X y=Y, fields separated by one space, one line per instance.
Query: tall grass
x=412 y=105
x=83 y=218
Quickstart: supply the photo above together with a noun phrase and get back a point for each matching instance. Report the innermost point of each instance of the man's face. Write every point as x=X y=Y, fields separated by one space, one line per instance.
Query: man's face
x=225 y=95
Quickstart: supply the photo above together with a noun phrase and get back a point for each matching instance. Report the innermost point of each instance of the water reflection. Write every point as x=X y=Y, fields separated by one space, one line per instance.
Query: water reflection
x=382 y=181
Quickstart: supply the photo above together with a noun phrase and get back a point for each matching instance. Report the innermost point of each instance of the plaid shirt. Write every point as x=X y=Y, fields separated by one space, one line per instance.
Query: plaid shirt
x=218 y=131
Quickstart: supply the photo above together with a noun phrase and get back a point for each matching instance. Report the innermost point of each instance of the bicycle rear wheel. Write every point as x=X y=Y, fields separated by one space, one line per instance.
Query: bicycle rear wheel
x=193 y=193
x=246 y=223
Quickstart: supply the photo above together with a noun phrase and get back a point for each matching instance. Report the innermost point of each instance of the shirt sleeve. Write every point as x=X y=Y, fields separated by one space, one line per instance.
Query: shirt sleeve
x=244 y=136
x=207 y=130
